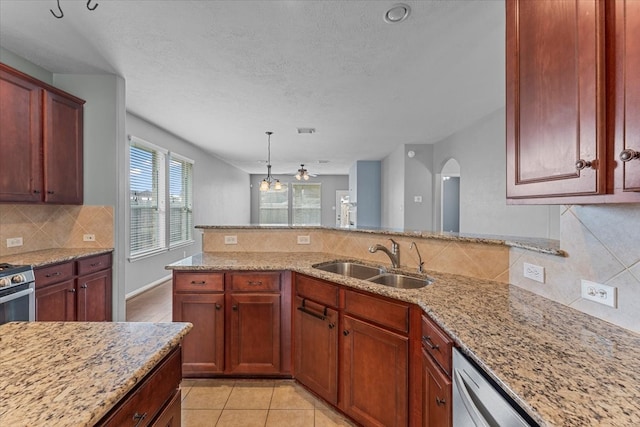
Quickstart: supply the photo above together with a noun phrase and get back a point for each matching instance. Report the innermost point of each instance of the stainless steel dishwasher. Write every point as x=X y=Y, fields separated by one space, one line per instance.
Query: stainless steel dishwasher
x=477 y=403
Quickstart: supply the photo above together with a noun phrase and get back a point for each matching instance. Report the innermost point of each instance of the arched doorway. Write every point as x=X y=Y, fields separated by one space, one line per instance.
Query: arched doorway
x=450 y=196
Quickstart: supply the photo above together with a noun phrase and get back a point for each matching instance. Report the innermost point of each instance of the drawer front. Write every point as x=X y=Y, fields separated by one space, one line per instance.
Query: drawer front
x=437 y=343
x=54 y=274
x=93 y=264
x=152 y=394
x=386 y=313
x=317 y=290
x=254 y=282
x=198 y=282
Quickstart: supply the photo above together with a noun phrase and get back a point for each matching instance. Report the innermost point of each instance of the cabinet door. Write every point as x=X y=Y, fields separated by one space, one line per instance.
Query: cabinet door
x=253 y=333
x=94 y=297
x=375 y=374
x=56 y=302
x=203 y=347
x=20 y=139
x=436 y=393
x=63 y=161
x=627 y=126
x=555 y=98
x=316 y=348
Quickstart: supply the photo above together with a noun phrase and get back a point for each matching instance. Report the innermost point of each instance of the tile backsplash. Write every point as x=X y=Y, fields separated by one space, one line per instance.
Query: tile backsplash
x=603 y=246
x=54 y=226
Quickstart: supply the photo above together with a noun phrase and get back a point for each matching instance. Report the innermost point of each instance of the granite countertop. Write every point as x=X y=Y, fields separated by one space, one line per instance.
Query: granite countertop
x=73 y=373
x=564 y=367
x=51 y=256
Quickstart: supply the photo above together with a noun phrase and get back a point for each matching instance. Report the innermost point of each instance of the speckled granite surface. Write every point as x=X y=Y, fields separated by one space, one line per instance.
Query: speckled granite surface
x=73 y=373
x=565 y=368
x=51 y=256
x=547 y=246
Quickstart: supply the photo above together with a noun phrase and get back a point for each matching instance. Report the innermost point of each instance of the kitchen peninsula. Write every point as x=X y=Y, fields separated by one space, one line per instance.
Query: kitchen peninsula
x=561 y=366
x=86 y=373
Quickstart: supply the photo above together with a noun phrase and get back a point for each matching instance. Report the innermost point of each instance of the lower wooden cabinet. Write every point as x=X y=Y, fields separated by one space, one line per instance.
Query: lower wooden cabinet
x=75 y=290
x=155 y=401
x=374 y=368
x=203 y=348
x=436 y=394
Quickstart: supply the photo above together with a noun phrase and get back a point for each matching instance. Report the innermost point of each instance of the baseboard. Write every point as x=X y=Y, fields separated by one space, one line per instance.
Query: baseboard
x=147 y=287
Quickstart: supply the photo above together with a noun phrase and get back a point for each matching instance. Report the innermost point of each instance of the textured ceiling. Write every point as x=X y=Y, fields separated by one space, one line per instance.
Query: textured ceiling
x=221 y=73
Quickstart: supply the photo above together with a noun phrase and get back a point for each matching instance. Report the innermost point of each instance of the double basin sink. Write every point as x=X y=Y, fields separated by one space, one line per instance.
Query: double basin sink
x=373 y=274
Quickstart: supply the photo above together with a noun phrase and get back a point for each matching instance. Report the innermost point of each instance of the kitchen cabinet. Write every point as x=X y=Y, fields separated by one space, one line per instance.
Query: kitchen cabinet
x=567 y=77
x=437 y=410
x=316 y=337
x=374 y=361
x=41 y=134
x=239 y=326
x=155 y=401
x=75 y=290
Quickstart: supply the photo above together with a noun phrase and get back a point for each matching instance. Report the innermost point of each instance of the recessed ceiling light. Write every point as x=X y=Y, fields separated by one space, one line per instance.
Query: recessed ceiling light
x=397 y=13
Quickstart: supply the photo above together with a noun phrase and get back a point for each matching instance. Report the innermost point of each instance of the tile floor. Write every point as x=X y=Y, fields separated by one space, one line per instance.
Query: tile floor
x=236 y=403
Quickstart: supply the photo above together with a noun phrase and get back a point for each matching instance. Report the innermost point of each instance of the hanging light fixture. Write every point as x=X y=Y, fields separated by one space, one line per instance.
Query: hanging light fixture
x=265 y=185
x=302 y=173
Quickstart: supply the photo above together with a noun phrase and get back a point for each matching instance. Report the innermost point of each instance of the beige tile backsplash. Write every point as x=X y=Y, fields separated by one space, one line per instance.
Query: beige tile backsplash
x=603 y=245
x=54 y=226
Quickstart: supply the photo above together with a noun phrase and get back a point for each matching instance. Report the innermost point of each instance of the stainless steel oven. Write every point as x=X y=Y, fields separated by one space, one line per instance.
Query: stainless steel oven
x=17 y=293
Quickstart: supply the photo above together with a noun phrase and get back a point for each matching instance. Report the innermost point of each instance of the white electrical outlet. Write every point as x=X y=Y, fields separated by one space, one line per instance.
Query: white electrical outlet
x=14 y=241
x=417 y=199
x=304 y=240
x=597 y=292
x=230 y=240
x=534 y=272
x=89 y=237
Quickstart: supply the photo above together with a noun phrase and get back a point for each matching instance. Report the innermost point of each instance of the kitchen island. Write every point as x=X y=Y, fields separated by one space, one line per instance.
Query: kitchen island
x=75 y=373
x=563 y=367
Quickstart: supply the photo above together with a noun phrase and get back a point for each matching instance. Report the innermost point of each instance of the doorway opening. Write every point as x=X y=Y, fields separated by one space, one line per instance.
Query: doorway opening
x=450 y=197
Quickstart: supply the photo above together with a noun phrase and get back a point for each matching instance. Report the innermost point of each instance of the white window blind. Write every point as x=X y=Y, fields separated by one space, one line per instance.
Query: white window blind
x=146 y=198
x=180 y=200
x=306 y=204
x=274 y=206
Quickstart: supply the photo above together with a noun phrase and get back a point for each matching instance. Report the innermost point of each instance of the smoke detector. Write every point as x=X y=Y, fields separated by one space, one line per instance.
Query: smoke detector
x=397 y=13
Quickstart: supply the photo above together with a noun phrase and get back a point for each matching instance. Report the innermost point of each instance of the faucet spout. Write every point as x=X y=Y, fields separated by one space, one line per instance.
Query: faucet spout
x=393 y=254
x=420 y=262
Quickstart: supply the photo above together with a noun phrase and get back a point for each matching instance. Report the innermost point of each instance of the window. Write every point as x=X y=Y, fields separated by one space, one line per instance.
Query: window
x=151 y=228
x=304 y=208
x=306 y=205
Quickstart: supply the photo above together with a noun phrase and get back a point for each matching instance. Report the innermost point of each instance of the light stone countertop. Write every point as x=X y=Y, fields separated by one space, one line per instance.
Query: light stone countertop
x=52 y=256
x=564 y=367
x=73 y=373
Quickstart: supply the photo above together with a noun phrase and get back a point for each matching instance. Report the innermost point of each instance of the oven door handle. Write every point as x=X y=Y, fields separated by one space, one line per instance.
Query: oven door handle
x=17 y=295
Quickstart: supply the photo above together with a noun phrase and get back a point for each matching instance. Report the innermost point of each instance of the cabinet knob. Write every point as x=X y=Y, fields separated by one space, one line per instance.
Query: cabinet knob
x=72 y=290
x=629 y=154
x=36 y=191
x=345 y=332
x=234 y=307
x=139 y=417
x=584 y=164
x=440 y=402
x=84 y=286
x=57 y=273
x=254 y=283
x=50 y=192
x=332 y=325
x=218 y=306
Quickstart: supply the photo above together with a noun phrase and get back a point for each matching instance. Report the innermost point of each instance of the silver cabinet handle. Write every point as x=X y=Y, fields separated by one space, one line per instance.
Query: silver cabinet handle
x=629 y=154
x=584 y=164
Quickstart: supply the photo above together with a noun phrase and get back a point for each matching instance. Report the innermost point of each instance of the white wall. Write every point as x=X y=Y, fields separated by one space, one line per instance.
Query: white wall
x=220 y=197
x=392 y=189
x=418 y=180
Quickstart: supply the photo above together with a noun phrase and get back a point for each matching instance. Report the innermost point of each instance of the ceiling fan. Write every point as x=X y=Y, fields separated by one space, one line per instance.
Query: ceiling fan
x=303 y=174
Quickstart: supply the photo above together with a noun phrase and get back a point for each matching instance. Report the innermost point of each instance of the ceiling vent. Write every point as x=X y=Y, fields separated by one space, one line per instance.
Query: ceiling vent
x=306 y=130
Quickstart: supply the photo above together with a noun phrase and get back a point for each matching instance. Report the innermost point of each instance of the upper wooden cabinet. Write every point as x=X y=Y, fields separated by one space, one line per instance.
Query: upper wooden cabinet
x=41 y=141
x=565 y=85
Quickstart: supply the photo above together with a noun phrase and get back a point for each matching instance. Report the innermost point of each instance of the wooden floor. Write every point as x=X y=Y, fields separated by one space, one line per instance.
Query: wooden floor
x=153 y=305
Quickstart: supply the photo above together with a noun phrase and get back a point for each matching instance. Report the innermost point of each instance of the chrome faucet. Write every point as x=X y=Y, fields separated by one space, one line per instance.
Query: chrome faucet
x=394 y=253
x=420 y=262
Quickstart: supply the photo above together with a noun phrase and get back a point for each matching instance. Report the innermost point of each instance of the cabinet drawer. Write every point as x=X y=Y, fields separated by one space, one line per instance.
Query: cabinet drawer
x=150 y=396
x=54 y=274
x=268 y=281
x=386 y=313
x=94 y=263
x=437 y=343
x=317 y=290
x=198 y=282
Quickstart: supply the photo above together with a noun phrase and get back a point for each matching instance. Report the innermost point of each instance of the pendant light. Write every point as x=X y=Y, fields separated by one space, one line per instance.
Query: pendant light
x=265 y=185
x=302 y=174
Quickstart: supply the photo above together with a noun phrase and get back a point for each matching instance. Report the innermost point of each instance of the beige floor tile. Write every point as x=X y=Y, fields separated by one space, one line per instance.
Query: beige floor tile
x=329 y=418
x=242 y=418
x=184 y=391
x=291 y=396
x=212 y=397
x=250 y=396
x=290 y=418
x=200 y=417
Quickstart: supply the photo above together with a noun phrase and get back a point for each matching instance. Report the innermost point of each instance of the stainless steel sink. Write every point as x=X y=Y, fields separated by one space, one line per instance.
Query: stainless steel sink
x=400 y=281
x=350 y=269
